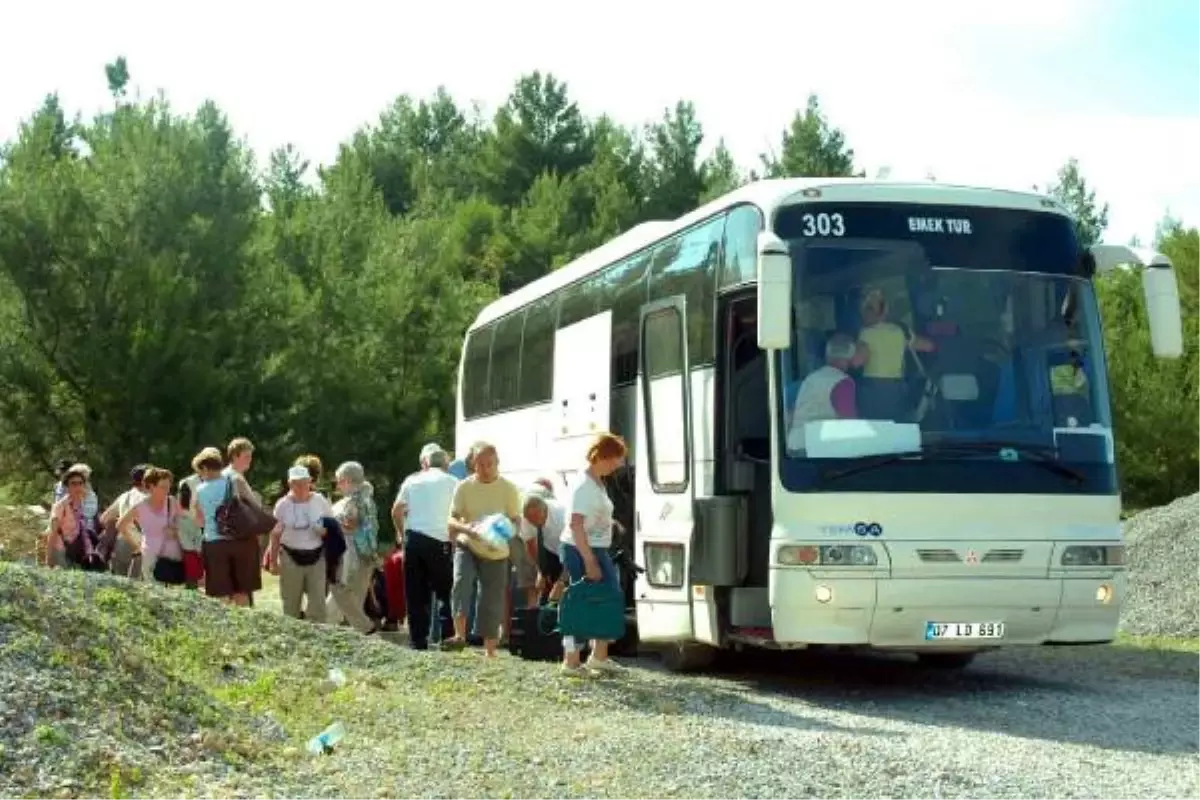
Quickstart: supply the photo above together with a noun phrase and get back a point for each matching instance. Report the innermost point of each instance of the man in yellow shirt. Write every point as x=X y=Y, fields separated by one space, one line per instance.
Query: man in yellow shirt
x=482 y=494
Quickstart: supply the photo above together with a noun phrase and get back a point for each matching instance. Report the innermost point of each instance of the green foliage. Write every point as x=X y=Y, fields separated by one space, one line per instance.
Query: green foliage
x=1070 y=189
x=159 y=292
x=812 y=148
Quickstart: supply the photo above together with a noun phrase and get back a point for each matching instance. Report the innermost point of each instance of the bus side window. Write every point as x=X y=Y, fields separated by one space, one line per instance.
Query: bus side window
x=687 y=265
x=580 y=301
x=505 y=373
x=739 y=256
x=537 y=352
x=626 y=288
x=475 y=373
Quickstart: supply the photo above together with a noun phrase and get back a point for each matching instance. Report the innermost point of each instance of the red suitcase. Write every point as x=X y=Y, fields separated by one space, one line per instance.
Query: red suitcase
x=393 y=580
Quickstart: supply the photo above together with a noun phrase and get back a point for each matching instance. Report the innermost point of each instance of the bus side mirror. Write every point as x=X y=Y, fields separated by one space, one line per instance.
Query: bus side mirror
x=1162 y=309
x=1160 y=288
x=774 y=293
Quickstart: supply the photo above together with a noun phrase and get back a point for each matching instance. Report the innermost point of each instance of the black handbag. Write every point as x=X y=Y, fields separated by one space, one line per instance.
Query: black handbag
x=169 y=571
x=239 y=519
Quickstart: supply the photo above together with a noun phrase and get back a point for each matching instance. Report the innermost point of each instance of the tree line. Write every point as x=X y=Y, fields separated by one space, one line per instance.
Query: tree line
x=160 y=290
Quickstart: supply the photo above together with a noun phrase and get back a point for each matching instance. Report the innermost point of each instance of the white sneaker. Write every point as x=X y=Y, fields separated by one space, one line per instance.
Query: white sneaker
x=568 y=671
x=607 y=666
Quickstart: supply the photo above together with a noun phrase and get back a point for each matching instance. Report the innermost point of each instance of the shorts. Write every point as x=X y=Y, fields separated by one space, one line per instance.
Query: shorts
x=550 y=565
x=573 y=563
x=524 y=570
x=193 y=567
x=231 y=566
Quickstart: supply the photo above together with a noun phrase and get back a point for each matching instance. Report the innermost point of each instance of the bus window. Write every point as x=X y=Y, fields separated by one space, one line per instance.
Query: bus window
x=626 y=288
x=537 y=352
x=475 y=373
x=739 y=262
x=687 y=265
x=506 y=362
x=580 y=301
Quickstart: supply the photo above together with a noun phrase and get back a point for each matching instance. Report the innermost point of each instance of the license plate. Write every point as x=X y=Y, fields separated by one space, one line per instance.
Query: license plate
x=964 y=630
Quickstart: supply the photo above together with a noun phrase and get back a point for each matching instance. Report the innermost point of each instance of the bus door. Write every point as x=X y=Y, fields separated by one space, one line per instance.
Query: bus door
x=663 y=474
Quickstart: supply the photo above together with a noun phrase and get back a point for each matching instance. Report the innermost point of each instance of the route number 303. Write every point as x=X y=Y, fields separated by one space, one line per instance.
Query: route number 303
x=823 y=225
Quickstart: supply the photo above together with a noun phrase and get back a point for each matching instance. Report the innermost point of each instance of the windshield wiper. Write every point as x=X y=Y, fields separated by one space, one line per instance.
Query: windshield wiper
x=1016 y=451
x=1008 y=451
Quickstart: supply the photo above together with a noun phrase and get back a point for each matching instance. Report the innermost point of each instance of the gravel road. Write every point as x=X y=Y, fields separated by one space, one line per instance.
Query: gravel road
x=177 y=696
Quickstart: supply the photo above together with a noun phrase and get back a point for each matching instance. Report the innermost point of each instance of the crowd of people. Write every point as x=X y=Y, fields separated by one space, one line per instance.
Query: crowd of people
x=328 y=554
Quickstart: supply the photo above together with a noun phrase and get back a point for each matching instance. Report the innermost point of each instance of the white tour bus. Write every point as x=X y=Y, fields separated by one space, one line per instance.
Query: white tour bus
x=957 y=493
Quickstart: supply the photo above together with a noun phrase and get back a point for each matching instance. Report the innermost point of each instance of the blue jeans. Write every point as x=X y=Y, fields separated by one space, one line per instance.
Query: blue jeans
x=573 y=564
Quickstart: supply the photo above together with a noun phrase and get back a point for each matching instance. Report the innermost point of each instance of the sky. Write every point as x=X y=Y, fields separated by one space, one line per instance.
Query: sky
x=976 y=92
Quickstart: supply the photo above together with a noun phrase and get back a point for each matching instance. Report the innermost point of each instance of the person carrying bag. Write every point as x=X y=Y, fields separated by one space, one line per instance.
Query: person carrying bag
x=593 y=605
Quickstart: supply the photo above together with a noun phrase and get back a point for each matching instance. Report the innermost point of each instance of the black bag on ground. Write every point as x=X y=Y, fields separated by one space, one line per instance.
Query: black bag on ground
x=533 y=634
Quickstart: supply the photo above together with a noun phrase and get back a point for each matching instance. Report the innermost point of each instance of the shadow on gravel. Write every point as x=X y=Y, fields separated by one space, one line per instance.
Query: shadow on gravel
x=711 y=700
x=1107 y=697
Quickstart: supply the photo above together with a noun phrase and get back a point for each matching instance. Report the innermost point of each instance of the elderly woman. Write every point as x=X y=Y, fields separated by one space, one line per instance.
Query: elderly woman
x=297 y=549
x=357 y=515
x=69 y=520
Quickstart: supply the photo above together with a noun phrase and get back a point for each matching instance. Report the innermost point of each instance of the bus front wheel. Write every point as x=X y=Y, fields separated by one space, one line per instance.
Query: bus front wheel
x=945 y=660
x=688 y=656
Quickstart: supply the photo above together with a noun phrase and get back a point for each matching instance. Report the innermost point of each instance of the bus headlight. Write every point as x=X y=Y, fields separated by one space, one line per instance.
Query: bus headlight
x=827 y=555
x=1080 y=555
x=664 y=564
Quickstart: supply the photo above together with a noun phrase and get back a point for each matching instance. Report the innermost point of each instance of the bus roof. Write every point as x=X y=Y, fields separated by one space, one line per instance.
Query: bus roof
x=767 y=195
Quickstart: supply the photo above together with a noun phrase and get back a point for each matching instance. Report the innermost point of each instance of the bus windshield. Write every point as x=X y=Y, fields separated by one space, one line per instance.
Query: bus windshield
x=940 y=333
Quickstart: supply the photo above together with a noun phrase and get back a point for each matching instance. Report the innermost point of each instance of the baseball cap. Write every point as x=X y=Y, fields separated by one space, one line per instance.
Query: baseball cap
x=429 y=449
x=298 y=473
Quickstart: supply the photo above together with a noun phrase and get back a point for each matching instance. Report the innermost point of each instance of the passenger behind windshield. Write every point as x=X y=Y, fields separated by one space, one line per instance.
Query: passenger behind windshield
x=884 y=391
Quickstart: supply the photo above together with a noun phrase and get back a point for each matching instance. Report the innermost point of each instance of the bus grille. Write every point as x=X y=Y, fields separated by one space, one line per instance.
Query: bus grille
x=946 y=556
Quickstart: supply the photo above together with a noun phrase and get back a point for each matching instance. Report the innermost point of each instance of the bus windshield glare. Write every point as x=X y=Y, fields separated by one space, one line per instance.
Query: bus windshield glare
x=941 y=334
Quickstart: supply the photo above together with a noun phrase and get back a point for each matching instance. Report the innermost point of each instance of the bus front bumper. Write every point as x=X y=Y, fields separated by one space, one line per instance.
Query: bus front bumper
x=811 y=607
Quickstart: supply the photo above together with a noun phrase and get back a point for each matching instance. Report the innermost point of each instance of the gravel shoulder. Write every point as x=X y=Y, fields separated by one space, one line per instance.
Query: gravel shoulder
x=113 y=688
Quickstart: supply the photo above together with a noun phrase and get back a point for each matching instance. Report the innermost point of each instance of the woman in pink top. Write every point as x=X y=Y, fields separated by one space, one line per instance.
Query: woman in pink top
x=157 y=517
x=68 y=520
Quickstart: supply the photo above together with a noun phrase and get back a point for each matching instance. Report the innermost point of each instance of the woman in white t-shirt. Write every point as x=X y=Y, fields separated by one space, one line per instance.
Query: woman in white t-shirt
x=585 y=543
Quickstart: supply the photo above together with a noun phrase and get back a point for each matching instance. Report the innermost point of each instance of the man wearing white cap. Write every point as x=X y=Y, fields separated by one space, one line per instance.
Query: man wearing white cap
x=421 y=511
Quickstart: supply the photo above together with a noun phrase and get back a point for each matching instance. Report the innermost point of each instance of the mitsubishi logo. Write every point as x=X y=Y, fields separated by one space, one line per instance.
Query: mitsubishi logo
x=972 y=557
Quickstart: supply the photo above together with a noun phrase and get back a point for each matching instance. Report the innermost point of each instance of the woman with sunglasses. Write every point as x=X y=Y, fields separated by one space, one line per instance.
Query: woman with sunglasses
x=297 y=549
x=69 y=520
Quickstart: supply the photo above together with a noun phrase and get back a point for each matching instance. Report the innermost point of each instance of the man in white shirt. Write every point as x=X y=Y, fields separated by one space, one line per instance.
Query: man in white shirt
x=420 y=512
x=125 y=560
x=543 y=520
x=826 y=393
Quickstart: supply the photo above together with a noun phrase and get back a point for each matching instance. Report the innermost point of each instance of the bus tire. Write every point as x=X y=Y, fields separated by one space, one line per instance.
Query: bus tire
x=945 y=660
x=688 y=656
